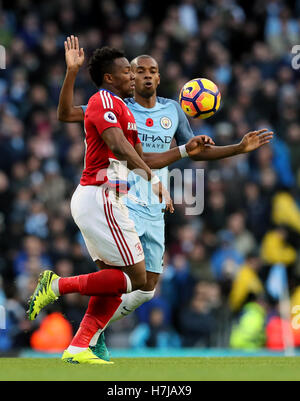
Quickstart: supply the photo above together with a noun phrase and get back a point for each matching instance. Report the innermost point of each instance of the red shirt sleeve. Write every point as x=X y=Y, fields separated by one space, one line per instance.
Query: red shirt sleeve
x=103 y=112
x=137 y=139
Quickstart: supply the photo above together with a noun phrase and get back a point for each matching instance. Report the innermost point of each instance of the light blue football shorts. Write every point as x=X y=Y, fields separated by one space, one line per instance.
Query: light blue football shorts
x=152 y=237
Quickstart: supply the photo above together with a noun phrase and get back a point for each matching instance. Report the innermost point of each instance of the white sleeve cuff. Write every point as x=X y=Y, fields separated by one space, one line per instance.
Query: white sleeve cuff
x=183 y=151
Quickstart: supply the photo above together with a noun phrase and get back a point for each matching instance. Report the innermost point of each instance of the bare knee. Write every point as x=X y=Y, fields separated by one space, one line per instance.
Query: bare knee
x=138 y=281
x=137 y=275
x=151 y=282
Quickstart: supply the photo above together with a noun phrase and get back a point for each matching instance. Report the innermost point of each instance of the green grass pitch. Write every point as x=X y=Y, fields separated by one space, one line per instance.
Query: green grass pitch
x=154 y=369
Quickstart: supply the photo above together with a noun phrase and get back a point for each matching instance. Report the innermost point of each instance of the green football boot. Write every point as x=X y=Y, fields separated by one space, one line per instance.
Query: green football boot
x=84 y=357
x=100 y=349
x=43 y=294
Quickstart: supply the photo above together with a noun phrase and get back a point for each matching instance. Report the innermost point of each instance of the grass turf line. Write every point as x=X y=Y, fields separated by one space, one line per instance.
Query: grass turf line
x=156 y=369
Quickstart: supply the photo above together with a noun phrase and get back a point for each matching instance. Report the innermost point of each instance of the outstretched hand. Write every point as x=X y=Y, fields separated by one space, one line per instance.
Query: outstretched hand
x=197 y=144
x=73 y=53
x=255 y=139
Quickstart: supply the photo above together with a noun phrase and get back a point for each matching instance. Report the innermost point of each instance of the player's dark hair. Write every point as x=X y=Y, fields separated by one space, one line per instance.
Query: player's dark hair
x=102 y=62
x=136 y=60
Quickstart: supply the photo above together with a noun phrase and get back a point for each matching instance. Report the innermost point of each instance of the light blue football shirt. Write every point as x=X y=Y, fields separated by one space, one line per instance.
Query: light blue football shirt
x=156 y=127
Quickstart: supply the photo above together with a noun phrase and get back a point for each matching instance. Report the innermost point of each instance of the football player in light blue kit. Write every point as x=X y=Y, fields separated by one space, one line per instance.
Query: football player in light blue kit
x=159 y=120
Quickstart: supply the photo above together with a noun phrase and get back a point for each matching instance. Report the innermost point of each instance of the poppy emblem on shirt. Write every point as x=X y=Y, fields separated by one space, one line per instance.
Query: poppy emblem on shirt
x=149 y=122
x=165 y=122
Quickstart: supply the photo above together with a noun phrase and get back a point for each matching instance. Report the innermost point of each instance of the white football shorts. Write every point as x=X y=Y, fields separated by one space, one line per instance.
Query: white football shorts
x=106 y=227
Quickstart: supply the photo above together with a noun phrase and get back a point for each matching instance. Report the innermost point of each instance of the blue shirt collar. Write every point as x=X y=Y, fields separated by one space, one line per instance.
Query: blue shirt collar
x=118 y=97
x=103 y=89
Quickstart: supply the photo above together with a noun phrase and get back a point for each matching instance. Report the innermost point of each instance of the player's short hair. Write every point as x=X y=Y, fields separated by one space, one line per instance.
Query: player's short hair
x=102 y=62
x=135 y=61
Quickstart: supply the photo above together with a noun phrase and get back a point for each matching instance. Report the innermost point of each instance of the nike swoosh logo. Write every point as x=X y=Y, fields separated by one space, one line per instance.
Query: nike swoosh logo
x=71 y=360
x=127 y=310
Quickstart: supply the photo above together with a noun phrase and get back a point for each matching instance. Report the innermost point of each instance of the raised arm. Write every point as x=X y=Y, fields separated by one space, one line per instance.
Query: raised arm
x=251 y=141
x=74 y=55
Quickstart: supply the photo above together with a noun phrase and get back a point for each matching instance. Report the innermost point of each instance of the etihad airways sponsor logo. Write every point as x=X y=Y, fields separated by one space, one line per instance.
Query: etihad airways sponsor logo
x=155 y=139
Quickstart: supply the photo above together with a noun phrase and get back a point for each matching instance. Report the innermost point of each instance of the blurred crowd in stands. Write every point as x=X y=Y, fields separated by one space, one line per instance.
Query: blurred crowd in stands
x=214 y=291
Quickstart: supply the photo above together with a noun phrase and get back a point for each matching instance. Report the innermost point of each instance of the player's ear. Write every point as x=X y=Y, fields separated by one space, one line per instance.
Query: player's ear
x=158 y=79
x=107 y=78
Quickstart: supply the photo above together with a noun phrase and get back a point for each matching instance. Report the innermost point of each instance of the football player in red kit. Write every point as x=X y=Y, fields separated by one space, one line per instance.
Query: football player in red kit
x=112 y=147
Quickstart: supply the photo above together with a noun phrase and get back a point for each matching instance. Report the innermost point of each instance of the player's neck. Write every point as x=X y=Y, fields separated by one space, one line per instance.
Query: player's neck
x=148 y=103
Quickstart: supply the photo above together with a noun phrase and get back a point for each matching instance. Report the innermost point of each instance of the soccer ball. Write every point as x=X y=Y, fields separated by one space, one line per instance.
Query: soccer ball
x=200 y=98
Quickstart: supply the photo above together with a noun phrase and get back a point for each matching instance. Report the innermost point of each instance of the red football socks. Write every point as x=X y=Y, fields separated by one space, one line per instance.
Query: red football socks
x=105 y=288
x=88 y=327
x=105 y=282
x=98 y=314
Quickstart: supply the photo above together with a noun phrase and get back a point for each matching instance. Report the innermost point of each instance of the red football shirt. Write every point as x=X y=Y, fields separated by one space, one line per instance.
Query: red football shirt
x=105 y=110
